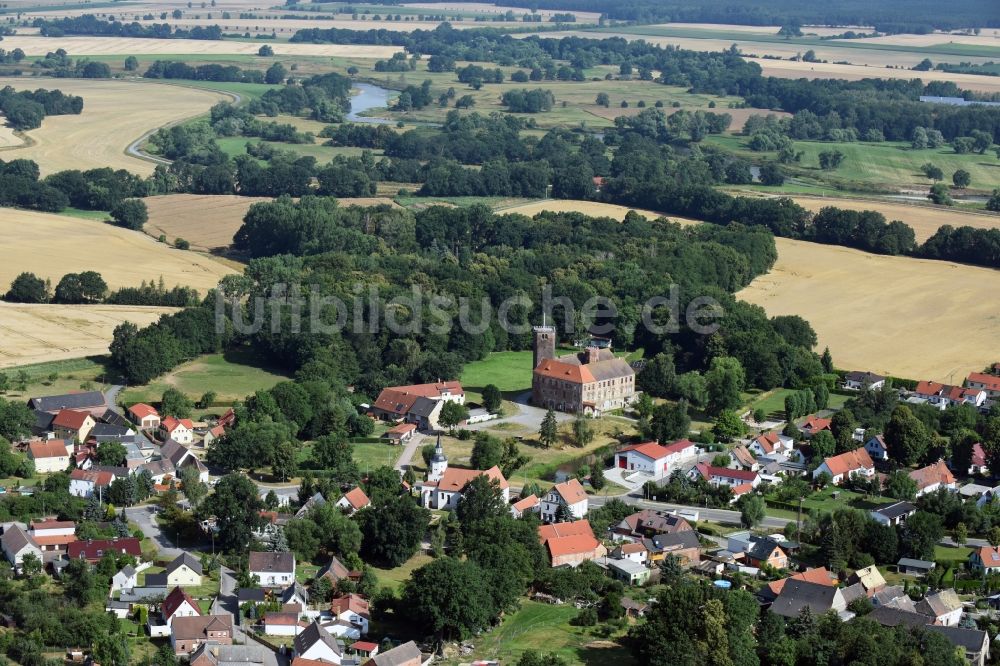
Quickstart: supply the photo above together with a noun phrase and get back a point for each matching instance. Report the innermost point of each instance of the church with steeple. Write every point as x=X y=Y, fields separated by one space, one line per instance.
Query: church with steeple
x=444 y=485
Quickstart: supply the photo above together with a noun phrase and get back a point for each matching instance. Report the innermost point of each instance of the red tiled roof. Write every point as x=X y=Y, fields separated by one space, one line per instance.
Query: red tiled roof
x=571 y=491
x=990 y=555
x=357 y=498
x=70 y=419
x=820 y=576
x=354 y=603
x=141 y=410
x=58 y=540
x=815 y=424
x=526 y=503
x=768 y=441
x=399 y=399
x=561 y=530
x=708 y=471
x=170 y=423
x=51 y=524
x=363 y=646
x=991 y=382
x=655 y=451
x=741 y=489
x=569 y=372
x=281 y=617
x=931 y=474
x=97 y=478
x=455 y=479
x=978 y=455
x=175 y=600
x=89 y=549
x=401 y=429
x=849 y=461
x=49 y=448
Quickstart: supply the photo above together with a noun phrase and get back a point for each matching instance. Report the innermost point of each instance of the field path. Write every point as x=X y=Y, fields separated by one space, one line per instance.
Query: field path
x=115 y=113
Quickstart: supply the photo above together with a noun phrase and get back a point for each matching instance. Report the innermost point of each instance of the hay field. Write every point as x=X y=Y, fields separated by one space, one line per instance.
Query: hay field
x=52 y=245
x=489 y=8
x=892 y=315
x=115 y=113
x=125 y=46
x=209 y=222
x=925 y=220
x=592 y=208
x=787 y=69
x=38 y=333
x=989 y=37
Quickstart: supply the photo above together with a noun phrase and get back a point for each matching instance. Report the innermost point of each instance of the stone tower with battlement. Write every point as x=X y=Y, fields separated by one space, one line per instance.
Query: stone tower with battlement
x=544 y=344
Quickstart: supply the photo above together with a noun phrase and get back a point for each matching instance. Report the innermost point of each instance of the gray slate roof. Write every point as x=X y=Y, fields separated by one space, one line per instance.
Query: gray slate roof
x=315 y=634
x=799 y=594
x=53 y=403
x=185 y=558
x=895 y=510
x=893 y=617
x=397 y=655
x=971 y=640
x=268 y=561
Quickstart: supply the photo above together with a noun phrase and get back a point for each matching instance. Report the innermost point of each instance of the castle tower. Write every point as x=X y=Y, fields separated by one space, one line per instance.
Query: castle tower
x=544 y=344
x=439 y=463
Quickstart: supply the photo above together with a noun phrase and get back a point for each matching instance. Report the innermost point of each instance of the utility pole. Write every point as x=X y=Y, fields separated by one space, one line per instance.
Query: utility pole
x=798 y=530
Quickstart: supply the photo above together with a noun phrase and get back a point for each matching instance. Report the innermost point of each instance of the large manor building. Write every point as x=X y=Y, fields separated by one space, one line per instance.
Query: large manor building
x=591 y=382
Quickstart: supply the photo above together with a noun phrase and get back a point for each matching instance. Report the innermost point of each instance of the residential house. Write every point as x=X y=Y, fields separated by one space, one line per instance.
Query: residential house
x=183 y=570
x=178 y=604
x=988 y=383
x=396 y=403
x=568 y=496
x=943 y=396
x=870 y=578
x=425 y=413
x=180 y=457
x=363 y=649
x=876 y=448
x=73 y=425
x=647 y=523
x=407 y=654
x=214 y=654
x=179 y=430
x=846 y=465
x=93 y=549
x=741 y=458
x=718 y=476
x=943 y=606
x=978 y=464
x=282 y=623
x=635 y=551
x=90 y=401
x=655 y=459
x=531 y=503
x=771 y=443
x=890 y=616
x=910 y=567
x=400 y=433
x=894 y=596
x=353 y=501
x=932 y=477
x=893 y=514
x=160 y=470
x=819 y=598
x=53 y=535
x=316 y=500
x=445 y=491
x=352 y=608
x=682 y=545
x=17 y=543
x=570 y=544
x=126 y=579
x=627 y=571
x=89 y=482
x=211 y=435
x=985 y=559
x=50 y=455
x=819 y=576
x=295 y=595
x=591 y=382
x=856 y=381
x=813 y=424
x=189 y=633
x=335 y=572
x=766 y=552
x=317 y=643
x=973 y=642
x=145 y=416
x=273 y=569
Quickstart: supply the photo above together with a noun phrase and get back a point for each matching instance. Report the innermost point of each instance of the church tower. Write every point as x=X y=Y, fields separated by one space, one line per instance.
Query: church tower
x=544 y=344
x=439 y=463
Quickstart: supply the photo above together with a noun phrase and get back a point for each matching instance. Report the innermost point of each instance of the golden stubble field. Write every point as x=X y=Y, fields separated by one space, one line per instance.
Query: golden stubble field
x=115 y=113
x=893 y=315
x=209 y=222
x=38 y=333
x=52 y=245
x=787 y=69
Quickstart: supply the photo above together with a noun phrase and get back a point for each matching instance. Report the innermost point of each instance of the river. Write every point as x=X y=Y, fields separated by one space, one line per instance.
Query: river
x=369 y=97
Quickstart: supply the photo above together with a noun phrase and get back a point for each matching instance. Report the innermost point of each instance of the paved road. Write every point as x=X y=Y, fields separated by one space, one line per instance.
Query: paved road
x=111 y=397
x=145 y=518
x=406 y=457
x=713 y=515
x=226 y=604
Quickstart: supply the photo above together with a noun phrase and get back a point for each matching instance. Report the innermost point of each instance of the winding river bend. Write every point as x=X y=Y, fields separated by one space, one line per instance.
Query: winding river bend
x=369 y=97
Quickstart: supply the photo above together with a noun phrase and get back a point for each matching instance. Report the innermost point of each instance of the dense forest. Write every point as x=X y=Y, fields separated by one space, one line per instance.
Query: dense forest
x=88 y=24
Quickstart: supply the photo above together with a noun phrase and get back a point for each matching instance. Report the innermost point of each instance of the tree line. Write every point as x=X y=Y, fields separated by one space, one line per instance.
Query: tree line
x=89 y=287
x=26 y=109
x=88 y=24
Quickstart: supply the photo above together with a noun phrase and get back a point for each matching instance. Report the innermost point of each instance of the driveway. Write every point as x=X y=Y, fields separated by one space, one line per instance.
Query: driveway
x=145 y=518
x=111 y=397
x=528 y=416
x=406 y=457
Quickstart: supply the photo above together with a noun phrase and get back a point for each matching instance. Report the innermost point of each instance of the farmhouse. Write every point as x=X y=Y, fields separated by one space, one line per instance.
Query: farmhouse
x=944 y=396
x=181 y=457
x=397 y=403
x=50 y=455
x=718 y=476
x=985 y=560
x=654 y=459
x=568 y=496
x=93 y=549
x=353 y=500
x=770 y=443
x=813 y=424
x=521 y=507
x=179 y=430
x=846 y=465
x=591 y=382
x=988 y=383
x=16 y=544
x=53 y=535
x=144 y=416
x=188 y=633
x=272 y=569
x=856 y=381
x=90 y=401
x=943 y=607
x=73 y=425
x=89 y=482
x=570 y=544
x=932 y=477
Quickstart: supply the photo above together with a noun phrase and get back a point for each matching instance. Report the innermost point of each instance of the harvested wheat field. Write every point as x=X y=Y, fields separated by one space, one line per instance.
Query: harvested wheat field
x=37 y=333
x=209 y=222
x=115 y=113
x=891 y=315
x=52 y=245
x=787 y=69
x=93 y=46
x=592 y=208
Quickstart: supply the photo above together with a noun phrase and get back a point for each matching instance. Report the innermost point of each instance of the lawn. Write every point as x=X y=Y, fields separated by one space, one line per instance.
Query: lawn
x=232 y=376
x=394 y=578
x=772 y=402
x=237 y=145
x=952 y=554
x=510 y=371
x=69 y=375
x=546 y=628
x=370 y=456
